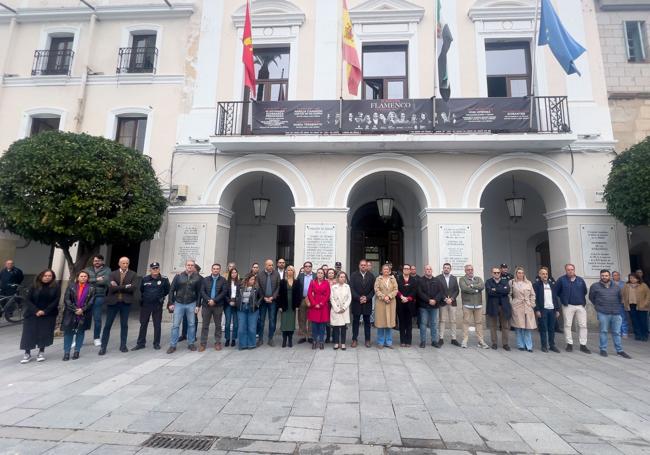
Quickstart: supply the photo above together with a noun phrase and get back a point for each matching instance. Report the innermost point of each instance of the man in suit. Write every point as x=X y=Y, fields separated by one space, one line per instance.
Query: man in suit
x=281 y=267
x=121 y=294
x=305 y=278
x=450 y=291
x=268 y=282
x=214 y=291
x=362 y=287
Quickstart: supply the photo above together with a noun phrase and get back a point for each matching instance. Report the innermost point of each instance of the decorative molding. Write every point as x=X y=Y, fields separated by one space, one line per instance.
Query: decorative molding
x=576 y=212
x=320 y=209
x=30 y=114
x=270 y=13
x=624 y=5
x=386 y=11
x=501 y=10
x=114 y=12
x=200 y=210
x=449 y=210
x=97 y=79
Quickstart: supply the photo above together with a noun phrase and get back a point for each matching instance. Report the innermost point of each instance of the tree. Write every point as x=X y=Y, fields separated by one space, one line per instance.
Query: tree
x=627 y=192
x=65 y=188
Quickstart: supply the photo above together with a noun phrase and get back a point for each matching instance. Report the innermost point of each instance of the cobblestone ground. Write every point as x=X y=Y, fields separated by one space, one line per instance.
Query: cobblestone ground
x=361 y=401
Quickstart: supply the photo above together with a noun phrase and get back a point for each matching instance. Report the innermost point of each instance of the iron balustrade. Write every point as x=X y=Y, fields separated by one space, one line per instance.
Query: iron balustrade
x=550 y=115
x=137 y=60
x=52 y=62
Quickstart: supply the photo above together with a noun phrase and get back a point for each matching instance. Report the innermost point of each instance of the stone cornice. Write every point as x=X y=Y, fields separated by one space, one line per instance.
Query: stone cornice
x=501 y=13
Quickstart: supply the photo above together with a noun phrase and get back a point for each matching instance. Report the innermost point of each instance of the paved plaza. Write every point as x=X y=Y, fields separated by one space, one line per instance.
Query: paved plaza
x=300 y=401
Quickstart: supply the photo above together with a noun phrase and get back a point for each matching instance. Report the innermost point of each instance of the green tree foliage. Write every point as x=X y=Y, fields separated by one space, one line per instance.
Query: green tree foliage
x=627 y=192
x=62 y=188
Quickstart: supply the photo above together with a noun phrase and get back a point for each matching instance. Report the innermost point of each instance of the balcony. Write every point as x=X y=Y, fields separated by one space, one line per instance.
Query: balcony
x=52 y=62
x=464 y=124
x=137 y=60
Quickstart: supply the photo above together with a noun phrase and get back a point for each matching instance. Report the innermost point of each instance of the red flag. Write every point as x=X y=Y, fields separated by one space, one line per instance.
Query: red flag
x=350 y=56
x=247 y=55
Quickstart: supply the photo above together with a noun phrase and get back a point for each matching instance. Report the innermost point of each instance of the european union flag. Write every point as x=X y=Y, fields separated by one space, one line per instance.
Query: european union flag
x=553 y=33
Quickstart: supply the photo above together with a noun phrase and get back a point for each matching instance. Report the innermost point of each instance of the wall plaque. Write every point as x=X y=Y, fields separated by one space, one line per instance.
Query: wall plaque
x=455 y=246
x=320 y=244
x=599 y=249
x=190 y=244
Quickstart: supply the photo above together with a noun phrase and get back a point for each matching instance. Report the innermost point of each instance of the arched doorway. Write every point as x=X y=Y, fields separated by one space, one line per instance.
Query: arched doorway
x=524 y=242
x=254 y=239
x=398 y=239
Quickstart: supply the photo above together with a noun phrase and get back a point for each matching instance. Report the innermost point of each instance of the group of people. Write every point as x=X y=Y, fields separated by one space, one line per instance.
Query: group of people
x=321 y=304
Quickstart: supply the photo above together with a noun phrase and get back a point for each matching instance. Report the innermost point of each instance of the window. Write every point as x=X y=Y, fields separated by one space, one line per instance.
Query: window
x=59 y=55
x=385 y=73
x=635 y=40
x=508 y=68
x=272 y=73
x=143 y=54
x=131 y=132
x=285 y=244
x=40 y=124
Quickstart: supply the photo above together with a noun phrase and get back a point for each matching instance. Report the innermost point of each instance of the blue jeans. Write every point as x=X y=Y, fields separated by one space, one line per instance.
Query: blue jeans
x=428 y=315
x=78 y=336
x=247 y=326
x=547 y=328
x=524 y=338
x=272 y=310
x=181 y=310
x=624 y=325
x=231 y=316
x=318 y=331
x=610 y=323
x=385 y=337
x=98 y=306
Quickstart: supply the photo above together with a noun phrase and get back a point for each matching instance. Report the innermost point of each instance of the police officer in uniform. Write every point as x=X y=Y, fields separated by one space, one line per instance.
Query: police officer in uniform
x=153 y=289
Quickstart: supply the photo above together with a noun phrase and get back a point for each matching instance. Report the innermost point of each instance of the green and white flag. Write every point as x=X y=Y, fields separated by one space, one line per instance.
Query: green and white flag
x=444 y=39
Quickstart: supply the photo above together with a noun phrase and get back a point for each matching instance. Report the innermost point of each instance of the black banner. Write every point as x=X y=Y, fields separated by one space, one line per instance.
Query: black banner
x=483 y=114
x=296 y=117
x=387 y=116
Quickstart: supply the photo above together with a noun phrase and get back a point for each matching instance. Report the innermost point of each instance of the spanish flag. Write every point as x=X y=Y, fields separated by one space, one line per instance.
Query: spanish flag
x=247 y=55
x=350 y=56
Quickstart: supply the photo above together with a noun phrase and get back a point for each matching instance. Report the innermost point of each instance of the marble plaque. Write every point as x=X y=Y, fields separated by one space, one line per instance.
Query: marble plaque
x=455 y=246
x=599 y=249
x=320 y=244
x=190 y=244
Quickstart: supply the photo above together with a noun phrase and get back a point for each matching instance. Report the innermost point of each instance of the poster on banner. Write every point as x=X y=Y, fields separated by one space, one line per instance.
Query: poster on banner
x=189 y=244
x=599 y=249
x=455 y=246
x=390 y=116
x=296 y=117
x=320 y=244
x=483 y=114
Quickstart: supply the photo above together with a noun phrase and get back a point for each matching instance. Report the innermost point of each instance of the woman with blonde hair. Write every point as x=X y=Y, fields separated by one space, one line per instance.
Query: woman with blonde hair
x=522 y=297
x=289 y=299
x=385 y=307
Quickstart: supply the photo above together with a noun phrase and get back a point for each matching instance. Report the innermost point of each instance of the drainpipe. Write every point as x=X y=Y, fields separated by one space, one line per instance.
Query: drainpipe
x=81 y=99
x=7 y=50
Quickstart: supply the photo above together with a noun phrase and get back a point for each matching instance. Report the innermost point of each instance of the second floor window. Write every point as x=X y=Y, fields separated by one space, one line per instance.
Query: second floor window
x=272 y=73
x=41 y=124
x=385 y=72
x=143 y=54
x=131 y=132
x=635 y=41
x=57 y=59
x=508 y=68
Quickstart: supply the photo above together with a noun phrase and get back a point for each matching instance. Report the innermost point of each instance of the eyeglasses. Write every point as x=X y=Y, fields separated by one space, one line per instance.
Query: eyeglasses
x=496 y=273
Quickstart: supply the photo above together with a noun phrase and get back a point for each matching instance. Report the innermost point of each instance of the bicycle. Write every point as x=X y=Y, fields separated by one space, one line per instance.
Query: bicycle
x=11 y=306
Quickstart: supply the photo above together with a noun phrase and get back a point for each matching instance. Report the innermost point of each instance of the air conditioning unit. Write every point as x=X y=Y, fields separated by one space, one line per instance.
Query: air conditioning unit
x=180 y=192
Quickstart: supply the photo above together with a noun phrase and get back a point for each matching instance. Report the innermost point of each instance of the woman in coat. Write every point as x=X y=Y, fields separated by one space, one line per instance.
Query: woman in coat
x=289 y=298
x=547 y=309
x=340 y=313
x=77 y=315
x=330 y=275
x=407 y=290
x=248 y=311
x=318 y=297
x=40 y=309
x=636 y=299
x=230 y=311
x=522 y=301
x=385 y=306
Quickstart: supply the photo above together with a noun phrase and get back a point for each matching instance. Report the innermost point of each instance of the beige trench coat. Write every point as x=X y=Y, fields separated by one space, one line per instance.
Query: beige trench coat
x=522 y=300
x=385 y=312
x=340 y=299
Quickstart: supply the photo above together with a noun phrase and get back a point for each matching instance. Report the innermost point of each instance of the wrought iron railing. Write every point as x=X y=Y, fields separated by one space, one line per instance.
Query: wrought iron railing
x=550 y=115
x=52 y=62
x=137 y=60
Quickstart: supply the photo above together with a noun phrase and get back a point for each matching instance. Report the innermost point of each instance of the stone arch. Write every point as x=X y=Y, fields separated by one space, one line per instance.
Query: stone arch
x=217 y=189
x=431 y=190
x=564 y=193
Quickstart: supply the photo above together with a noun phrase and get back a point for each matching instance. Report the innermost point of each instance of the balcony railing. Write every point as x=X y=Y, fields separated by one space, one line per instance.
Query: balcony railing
x=52 y=62
x=550 y=115
x=137 y=60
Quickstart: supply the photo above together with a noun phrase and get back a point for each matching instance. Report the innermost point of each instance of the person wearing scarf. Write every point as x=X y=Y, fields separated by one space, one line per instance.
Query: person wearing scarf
x=77 y=318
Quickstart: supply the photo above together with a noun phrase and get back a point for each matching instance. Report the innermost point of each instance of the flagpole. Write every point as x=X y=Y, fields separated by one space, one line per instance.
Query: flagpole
x=533 y=78
x=340 y=37
x=435 y=61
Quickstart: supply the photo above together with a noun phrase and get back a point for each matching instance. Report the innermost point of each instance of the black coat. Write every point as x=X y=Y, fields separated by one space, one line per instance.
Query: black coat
x=409 y=290
x=497 y=296
x=538 y=286
x=39 y=330
x=428 y=289
x=262 y=276
x=362 y=286
x=296 y=295
x=255 y=299
x=222 y=291
x=124 y=292
x=452 y=291
x=70 y=306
